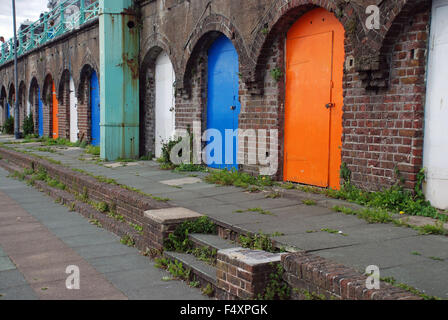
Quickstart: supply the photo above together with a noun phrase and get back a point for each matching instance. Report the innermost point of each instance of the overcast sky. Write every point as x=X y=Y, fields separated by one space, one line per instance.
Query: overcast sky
x=25 y=9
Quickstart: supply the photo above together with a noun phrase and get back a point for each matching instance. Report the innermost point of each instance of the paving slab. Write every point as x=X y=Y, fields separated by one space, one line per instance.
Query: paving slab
x=382 y=254
x=251 y=257
x=296 y=227
x=11 y=278
x=175 y=290
x=89 y=239
x=18 y=293
x=108 y=249
x=179 y=195
x=427 y=276
x=148 y=284
x=56 y=272
x=6 y=264
x=172 y=215
x=202 y=205
x=77 y=230
x=268 y=203
x=181 y=181
x=91 y=287
x=237 y=197
x=124 y=262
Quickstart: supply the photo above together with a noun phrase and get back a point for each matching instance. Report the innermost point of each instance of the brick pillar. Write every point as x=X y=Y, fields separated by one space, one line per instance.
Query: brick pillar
x=244 y=273
x=162 y=222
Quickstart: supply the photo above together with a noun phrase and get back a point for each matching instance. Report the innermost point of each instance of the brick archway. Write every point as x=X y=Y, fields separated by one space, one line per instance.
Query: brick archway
x=147 y=98
x=84 y=112
x=47 y=99
x=208 y=30
x=33 y=97
x=63 y=92
x=3 y=99
x=22 y=103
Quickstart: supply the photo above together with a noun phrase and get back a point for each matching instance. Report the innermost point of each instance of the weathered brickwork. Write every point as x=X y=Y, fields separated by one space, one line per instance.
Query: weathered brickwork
x=383 y=130
x=384 y=75
x=68 y=54
x=309 y=274
x=244 y=273
x=64 y=106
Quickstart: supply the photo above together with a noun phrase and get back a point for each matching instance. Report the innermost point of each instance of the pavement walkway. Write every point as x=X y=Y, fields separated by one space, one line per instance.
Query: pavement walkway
x=417 y=260
x=39 y=239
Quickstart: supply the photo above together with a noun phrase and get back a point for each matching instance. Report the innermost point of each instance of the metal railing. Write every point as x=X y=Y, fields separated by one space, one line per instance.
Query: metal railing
x=67 y=16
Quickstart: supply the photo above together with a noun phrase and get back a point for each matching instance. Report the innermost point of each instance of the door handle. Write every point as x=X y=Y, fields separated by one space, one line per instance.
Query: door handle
x=233 y=108
x=329 y=105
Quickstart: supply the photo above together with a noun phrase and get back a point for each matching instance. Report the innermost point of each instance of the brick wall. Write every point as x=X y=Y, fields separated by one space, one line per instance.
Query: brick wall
x=383 y=129
x=266 y=110
x=192 y=107
x=307 y=274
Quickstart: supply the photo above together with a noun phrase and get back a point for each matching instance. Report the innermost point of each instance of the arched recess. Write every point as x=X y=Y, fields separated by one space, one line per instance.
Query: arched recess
x=280 y=18
x=88 y=105
x=405 y=18
x=3 y=102
x=68 y=114
x=51 y=108
x=36 y=107
x=223 y=106
x=23 y=105
x=205 y=33
x=314 y=99
x=11 y=101
x=157 y=101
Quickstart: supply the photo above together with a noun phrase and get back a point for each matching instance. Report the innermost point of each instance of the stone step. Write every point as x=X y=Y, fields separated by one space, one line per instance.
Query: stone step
x=203 y=271
x=211 y=241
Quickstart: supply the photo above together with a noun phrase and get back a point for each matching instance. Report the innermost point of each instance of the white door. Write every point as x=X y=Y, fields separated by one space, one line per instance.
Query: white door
x=164 y=109
x=436 y=109
x=73 y=113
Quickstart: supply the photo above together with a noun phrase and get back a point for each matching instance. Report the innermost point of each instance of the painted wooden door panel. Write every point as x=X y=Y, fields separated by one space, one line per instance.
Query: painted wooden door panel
x=313 y=100
x=307 y=125
x=436 y=110
x=55 y=125
x=40 y=115
x=223 y=106
x=95 y=109
x=164 y=109
x=73 y=112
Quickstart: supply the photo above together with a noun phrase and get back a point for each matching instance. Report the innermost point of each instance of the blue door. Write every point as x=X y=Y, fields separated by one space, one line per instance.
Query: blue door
x=95 y=109
x=7 y=111
x=223 y=106
x=40 y=115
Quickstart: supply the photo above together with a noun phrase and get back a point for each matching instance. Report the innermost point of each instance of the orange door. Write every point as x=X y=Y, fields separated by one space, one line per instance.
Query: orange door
x=313 y=106
x=55 y=113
